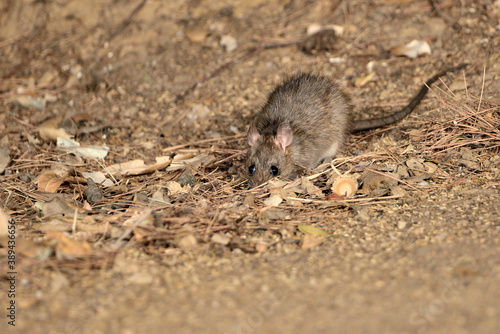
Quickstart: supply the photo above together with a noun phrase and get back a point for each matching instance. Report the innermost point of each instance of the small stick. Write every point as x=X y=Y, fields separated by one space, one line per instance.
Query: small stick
x=127 y=21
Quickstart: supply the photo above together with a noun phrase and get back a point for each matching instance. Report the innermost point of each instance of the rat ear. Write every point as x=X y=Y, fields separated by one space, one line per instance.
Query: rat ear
x=253 y=135
x=284 y=136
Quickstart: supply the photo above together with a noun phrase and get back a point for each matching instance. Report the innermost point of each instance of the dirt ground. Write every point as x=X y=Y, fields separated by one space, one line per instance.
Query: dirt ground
x=172 y=240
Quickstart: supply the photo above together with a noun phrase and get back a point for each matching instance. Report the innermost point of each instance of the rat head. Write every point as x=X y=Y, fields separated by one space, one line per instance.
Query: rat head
x=269 y=154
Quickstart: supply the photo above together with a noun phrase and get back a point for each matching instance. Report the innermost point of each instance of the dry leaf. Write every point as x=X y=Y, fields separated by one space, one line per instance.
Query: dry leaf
x=60 y=208
x=412 y=50
x=69 y=249
x=174 y=188
x=158 y=198
x=30 y=101
x=415 y=164
x=180 y=161
x=132 y=167
x=71 y=146
x=51 y=134
x=308 y=229
x=49 y=182
x=137 y=167
x=273 y=200
x=99 y=178
x=283 y=193
x=309 y=187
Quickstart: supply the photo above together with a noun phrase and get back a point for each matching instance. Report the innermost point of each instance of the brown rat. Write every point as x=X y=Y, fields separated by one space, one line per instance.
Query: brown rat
x=305 y=121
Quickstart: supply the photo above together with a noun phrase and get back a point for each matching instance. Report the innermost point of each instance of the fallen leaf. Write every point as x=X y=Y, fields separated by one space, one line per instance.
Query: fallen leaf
x=180 y=161
x=99 y=178
x=30 y=101
x=51 y=134
x=137 y=167
x=71 y=146
x=174 y=188
x=69 y=249
x=158 y=198
x=415 y=164
x=49 y=182
x=412 y=50
x=60 y=208
x=308 y=229
x=273 y=200
x=309 y=187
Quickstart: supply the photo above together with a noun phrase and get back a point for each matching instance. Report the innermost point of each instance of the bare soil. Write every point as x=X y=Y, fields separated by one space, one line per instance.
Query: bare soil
x=188 y=248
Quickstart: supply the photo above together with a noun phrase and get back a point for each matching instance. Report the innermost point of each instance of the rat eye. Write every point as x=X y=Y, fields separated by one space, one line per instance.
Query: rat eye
x=251 y=169
x=273 y=170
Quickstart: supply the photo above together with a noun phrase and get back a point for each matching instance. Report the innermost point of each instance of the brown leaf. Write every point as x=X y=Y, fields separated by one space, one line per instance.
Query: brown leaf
x=59 y=207
x=138 y=167
x=49 y=182
x=67 y=248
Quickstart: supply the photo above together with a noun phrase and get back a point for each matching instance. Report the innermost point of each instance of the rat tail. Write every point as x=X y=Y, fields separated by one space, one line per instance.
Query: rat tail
x=374 y=123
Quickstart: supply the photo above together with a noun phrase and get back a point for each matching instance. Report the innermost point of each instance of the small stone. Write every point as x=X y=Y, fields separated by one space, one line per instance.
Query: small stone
x=401 y=224
x=219 y=238
x=228 y=43
x=186 y=178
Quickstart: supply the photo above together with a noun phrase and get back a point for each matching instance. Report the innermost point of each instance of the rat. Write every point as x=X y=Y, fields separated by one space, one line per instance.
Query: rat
x=304 y=122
